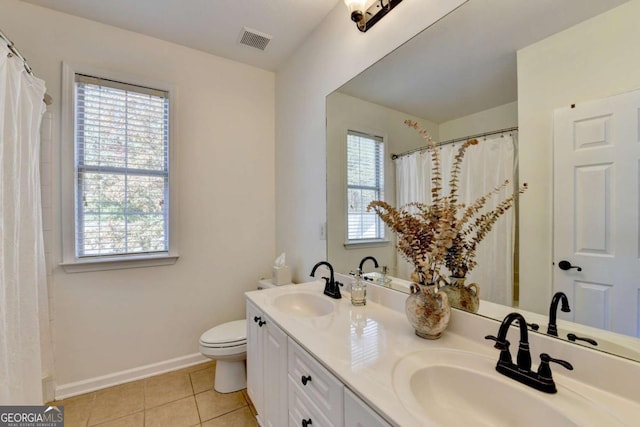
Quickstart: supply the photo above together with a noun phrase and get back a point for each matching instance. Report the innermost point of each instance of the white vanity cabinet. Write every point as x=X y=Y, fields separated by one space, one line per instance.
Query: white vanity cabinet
x=266 y=368
x=289 y=387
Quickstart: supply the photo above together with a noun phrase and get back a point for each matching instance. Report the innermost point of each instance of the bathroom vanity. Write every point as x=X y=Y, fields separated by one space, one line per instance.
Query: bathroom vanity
x=315 y=361
x=288 y=386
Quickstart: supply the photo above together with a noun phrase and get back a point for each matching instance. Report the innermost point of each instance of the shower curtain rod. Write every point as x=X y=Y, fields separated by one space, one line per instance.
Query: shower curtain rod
x=452 y=141
x=14 y=51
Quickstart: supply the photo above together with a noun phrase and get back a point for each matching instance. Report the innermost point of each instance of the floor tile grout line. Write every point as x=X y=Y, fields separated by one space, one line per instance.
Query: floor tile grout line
x=91 y=407
x=170 y=401
x=119 y=418
x=193 y=389
x=222 y=415
x=144 y=402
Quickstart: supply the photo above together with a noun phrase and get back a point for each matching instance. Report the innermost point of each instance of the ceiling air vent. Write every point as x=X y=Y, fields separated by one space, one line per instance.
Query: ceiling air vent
x=253 y=38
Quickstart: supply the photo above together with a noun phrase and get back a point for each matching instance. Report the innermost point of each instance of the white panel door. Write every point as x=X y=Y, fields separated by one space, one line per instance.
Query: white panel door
x=596 y=207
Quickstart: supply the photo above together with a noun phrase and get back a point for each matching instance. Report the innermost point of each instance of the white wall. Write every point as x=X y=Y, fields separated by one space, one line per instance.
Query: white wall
x=106 y=322
x=346 y=113
x=501 y=117
x=335 y=52
x=592 y=60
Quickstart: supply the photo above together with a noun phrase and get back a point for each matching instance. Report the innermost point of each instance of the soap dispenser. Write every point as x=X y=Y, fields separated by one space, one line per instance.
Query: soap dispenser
x=358 y=289
x=383 y=276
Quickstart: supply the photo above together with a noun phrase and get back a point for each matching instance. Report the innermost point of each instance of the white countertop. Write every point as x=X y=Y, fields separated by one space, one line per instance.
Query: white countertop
x=362 y=345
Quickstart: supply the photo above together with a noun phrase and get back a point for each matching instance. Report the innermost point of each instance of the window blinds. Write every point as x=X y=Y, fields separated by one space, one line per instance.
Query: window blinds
x=365 y=183
x=122 y=168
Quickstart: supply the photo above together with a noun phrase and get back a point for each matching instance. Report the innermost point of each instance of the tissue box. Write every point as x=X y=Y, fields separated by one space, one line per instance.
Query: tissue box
x=281 y=275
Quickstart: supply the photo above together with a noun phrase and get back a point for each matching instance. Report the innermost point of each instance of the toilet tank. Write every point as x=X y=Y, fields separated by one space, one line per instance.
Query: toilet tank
x=265 y=284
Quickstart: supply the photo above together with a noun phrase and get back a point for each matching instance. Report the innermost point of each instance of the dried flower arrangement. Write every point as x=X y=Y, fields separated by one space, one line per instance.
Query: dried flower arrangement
x=445 y=232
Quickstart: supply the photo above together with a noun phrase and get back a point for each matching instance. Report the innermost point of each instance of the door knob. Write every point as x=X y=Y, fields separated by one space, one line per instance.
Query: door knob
x=566 y=265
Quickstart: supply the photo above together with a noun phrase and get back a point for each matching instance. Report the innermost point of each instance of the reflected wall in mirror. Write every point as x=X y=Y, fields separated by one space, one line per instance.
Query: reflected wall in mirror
x=490 y=65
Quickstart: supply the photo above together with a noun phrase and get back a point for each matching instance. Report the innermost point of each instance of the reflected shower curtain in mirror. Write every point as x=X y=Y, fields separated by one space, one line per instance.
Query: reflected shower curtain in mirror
x=485 y=166
x=22 y=268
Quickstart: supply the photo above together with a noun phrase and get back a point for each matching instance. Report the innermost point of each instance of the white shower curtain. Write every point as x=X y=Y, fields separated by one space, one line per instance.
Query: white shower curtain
x=485 y=166
x=22 y=267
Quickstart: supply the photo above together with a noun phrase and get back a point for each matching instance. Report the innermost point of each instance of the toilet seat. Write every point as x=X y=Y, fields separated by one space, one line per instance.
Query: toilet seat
x=228 y=335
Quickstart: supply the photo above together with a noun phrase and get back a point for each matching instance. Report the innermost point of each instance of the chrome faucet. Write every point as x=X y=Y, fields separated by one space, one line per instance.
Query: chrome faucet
x=331 y=287
x=521 y=370
x=363 y=260
x=552 y=328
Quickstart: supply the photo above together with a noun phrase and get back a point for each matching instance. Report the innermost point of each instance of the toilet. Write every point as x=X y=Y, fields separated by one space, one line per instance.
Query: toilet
x=227 y=345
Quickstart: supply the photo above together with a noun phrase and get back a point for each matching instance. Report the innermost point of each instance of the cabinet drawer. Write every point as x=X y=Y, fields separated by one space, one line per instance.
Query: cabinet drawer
x=302 y=410
x=321 y=387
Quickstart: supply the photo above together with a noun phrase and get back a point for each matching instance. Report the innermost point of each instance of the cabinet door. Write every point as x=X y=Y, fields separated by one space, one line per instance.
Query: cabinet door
x=358 y=414
x=275 y=375
x=255 y=359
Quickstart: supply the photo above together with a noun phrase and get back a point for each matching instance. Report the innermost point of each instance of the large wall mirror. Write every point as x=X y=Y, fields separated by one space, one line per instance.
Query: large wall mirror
x=511 y=72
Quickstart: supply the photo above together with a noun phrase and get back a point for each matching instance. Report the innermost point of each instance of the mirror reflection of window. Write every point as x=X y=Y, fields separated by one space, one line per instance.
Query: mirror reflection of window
x=365 y=183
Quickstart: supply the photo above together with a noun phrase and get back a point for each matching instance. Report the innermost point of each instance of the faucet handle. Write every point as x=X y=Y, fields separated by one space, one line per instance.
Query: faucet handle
x=503 y=346
x=544 y=370
x=574 y=338
x=500 y=345
x=491 y=337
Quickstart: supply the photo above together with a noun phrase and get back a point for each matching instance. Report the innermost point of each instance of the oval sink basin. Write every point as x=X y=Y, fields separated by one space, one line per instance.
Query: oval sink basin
x=304 y=304
x=453 y=388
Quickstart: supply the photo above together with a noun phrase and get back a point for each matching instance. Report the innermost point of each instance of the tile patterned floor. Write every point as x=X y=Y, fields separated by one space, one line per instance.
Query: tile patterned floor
x=183 y=398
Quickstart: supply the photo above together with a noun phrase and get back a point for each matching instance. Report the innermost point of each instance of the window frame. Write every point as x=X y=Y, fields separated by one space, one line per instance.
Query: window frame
x=70 y=261
x=371 y=242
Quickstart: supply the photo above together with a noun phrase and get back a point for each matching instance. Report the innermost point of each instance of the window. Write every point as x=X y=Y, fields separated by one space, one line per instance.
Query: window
x=121 y=171
x=365 y=183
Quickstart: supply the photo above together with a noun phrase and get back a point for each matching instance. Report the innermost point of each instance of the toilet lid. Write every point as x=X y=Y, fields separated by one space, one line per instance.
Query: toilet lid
x=227 y=333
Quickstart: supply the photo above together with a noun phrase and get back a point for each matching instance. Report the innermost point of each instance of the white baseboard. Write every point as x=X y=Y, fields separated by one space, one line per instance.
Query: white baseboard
x=85 y=386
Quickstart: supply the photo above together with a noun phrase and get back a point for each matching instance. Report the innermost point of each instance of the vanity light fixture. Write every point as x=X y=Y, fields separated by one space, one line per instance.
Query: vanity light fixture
x=367 y=18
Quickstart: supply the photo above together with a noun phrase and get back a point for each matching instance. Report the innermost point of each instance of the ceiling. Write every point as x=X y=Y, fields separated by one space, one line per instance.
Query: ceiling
x=466 y=62
x=212 y=26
